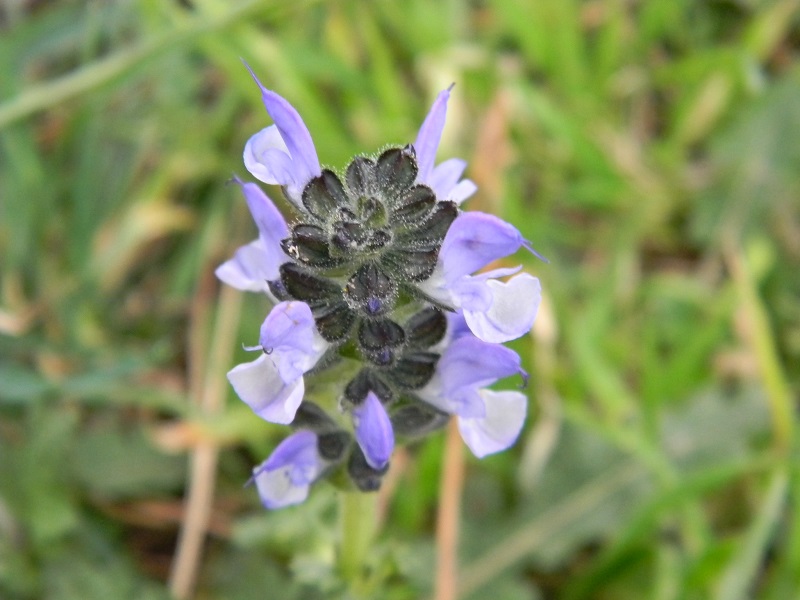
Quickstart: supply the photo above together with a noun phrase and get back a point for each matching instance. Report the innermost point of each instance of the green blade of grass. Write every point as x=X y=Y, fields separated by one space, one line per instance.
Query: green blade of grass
x=740 y=574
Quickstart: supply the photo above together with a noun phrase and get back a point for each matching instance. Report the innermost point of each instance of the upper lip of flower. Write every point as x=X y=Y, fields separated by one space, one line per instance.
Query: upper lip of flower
x=297 y=146
x=373 y=431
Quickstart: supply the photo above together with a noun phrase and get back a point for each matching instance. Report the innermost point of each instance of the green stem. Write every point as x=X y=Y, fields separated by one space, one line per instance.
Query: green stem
x=357 y=512
x=764 y=347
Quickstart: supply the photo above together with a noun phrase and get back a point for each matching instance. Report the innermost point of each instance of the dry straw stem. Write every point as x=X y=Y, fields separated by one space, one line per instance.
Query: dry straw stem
x=448 y=516
x=208 y=392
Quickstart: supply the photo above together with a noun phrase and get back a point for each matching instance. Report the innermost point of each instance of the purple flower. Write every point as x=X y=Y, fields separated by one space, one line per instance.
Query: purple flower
x=290 y=337
x=371 y=261
x=494 y=311
x=283 y=153
x=260 y=386
x=272 y=385
x=444 y=179
x=373 y=431
x=285 y=477
x=499 y=427
x=257 y=262
x=488 y=421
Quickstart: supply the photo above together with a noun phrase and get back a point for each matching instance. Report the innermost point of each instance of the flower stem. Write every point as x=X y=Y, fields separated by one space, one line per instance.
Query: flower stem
x=357 y=517
x=208 y=388
x=448 y=516
x=764 y=348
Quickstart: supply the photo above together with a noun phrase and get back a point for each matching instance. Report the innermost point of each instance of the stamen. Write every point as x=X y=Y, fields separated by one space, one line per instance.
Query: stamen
x=527 y=245
x=525 y=378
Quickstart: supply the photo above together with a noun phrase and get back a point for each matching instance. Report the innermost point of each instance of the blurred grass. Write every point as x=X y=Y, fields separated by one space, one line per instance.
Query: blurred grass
x=649 y=149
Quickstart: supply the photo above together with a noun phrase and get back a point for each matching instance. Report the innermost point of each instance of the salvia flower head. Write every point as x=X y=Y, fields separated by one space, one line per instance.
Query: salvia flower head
x=376 y=297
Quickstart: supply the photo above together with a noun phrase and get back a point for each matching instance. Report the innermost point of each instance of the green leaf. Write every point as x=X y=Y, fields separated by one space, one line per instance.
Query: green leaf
x=116 y=464
x=21 y=385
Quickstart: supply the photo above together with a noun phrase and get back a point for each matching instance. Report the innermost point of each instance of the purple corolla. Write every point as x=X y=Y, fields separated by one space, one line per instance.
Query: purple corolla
x=257 y=262
x=445 y=178
x=272 y=385
x=285 y=477
x=494 y=310
x=373 y=431
x=488 y=421
x=283 y=153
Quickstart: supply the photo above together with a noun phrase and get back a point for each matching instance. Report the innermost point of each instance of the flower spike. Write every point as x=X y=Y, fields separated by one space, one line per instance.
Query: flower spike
x=378 y=278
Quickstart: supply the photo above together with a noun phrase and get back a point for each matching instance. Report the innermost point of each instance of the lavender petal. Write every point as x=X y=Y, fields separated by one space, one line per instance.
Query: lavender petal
x=499 y=428
x=511 y=312
x=267 y=157
x=474 y=240
x=461 y=191
x=250 y=268
x=469 y=361
x=447 y=184
x=294 y=133
x=446 y=175
x=290 y=336
x=430 y=133
x=374 y=432
x=260 y=386
x=284 y=478
x=272 y=227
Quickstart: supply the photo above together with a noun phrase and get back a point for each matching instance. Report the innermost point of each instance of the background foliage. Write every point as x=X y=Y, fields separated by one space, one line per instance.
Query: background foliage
x=649 y=148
